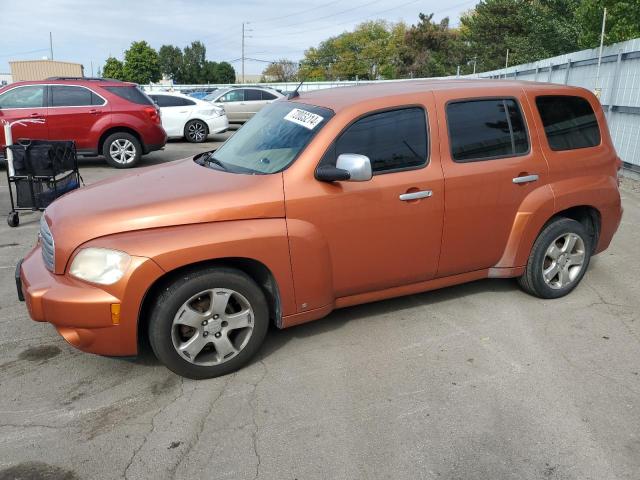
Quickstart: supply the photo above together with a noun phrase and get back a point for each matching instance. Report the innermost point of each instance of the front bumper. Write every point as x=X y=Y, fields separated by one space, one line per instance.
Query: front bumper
x=81 y=312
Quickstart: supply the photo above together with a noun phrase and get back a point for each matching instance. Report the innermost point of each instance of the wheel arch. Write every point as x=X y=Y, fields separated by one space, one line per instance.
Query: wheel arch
x=118 y=129
x=256 y=270
x=587 y=215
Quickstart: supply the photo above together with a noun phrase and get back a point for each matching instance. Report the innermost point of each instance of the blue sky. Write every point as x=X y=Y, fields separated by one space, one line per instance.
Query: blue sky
x=89 y=31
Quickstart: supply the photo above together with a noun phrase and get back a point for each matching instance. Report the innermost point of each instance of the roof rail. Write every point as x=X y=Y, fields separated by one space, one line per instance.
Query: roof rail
x=92 y=79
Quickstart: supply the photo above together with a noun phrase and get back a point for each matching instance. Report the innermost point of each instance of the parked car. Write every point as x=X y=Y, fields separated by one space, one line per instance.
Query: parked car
x=243 y=103
x=189 y=118
x=335 y=198
x=108 y=117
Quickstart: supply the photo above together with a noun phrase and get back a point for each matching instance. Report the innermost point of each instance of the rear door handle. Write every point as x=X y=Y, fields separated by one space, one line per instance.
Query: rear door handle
x=405 y=197
x=526 y=179
x=35 y=115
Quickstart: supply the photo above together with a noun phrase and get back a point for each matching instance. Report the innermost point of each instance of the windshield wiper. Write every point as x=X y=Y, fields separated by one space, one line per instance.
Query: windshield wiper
x=211 y=159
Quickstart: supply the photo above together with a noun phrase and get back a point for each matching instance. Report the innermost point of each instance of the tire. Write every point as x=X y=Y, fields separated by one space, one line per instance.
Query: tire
x=196 y=131
x=197 y=350
x=122 y=150
x=570 y=259
x=13 y=219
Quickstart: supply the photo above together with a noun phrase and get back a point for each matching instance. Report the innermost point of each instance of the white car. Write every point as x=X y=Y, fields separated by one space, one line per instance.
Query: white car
x=189 y=118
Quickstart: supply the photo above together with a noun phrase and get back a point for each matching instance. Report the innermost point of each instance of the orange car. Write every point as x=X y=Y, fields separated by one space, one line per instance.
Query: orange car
x=330 y=199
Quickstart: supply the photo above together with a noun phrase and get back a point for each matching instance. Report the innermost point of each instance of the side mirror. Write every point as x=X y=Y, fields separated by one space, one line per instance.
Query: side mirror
x=349 y=167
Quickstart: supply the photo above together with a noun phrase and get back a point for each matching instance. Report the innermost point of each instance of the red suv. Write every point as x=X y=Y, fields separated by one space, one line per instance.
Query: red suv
x=108 y=117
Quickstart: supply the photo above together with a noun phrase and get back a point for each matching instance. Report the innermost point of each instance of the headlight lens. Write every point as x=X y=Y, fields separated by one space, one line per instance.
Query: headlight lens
x=100 y=265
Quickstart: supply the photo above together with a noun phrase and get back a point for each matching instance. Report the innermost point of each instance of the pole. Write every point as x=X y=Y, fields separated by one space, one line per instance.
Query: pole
x=604 y=23
x=242 y=52
x=50 y=46
x=475 y=61
x=506 y=63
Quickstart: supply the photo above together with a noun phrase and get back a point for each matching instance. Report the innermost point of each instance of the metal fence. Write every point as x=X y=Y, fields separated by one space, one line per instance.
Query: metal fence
x=617 y=85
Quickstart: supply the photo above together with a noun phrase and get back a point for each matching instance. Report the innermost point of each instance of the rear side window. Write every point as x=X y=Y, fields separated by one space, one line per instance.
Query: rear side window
x=486 y=129
x=131 y=93
x=171 y=101
x=569 y=122
x=250 y=94
x=392 y=140
x=71 y=96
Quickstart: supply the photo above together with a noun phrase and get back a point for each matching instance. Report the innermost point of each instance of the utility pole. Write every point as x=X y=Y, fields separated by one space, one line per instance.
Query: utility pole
x=604 y=23
x=244 y=35
x=475 y=61
x=50 y=46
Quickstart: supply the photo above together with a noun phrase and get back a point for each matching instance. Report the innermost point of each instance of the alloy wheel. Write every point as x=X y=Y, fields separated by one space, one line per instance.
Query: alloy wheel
x=212 y=327
x=196 y=131
x=122 y=151
x=563 y=261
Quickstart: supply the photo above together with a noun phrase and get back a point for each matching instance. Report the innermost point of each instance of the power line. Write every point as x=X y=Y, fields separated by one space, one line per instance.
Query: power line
x=24 y=53
x=297 y=13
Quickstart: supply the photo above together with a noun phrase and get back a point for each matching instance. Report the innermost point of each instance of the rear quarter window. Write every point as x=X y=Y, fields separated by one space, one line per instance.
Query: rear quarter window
x=569 y=122
x=131 y=93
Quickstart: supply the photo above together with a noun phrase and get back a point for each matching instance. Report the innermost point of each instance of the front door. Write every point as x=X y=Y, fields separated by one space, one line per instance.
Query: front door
x=233 y=105
x=380 y=233
x=27 y=102
x=73 y=113
x=489 y=169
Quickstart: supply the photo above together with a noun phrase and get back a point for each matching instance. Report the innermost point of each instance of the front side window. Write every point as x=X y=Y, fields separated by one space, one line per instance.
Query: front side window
x=486 y=129
x=271 y=140
x=233 y=96
x=30 y=96
x=392 y=140
x=71 y=96
x=569 y=122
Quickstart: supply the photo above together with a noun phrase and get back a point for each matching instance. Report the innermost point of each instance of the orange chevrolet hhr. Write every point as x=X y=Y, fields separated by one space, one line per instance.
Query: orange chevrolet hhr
x=325 y=200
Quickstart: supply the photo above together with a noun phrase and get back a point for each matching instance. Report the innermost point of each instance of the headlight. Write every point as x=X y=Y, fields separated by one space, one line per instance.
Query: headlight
x=213 y=112
x=100 y=265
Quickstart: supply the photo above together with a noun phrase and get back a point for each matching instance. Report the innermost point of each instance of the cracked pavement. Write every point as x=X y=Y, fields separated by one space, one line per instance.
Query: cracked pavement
x=478 y=381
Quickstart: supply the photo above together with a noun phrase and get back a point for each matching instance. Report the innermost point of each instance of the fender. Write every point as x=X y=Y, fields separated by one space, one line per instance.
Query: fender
x=262 y=240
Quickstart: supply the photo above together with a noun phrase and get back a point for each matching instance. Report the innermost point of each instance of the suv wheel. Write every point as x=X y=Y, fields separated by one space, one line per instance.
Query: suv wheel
x=559 y=259
x=122 y=150
x=208 y=322
x=196 y=131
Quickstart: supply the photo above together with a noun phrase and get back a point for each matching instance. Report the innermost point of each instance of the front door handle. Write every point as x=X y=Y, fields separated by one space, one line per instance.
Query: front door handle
x=525 y=179
x=405 y=197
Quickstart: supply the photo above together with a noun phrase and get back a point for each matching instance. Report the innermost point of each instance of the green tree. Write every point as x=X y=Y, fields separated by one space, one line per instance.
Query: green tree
x=194 y=61
x=530 y=29
x=141 y=63
x=225 y=73
x=370 y=52
x=113 y=69
x=623 y=21
x=432 y=49
x=282 y=70
x=170 y=62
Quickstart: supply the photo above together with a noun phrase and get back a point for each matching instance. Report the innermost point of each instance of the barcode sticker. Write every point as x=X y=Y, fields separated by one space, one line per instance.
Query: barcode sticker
x=302 y=117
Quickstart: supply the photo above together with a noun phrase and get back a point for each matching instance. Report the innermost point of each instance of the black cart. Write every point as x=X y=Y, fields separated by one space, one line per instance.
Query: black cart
x=42 y=171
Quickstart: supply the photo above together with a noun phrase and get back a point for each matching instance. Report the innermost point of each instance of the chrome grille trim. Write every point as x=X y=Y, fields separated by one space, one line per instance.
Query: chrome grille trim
x=47 y=245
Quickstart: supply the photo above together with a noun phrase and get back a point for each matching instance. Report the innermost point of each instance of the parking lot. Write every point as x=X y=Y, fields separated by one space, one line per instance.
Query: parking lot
x=478 y=381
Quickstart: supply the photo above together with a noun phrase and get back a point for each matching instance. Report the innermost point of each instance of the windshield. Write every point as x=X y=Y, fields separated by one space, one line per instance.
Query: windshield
x=272 y=139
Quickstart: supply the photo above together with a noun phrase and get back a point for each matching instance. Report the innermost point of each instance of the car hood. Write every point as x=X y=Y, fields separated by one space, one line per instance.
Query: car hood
x=171 y=194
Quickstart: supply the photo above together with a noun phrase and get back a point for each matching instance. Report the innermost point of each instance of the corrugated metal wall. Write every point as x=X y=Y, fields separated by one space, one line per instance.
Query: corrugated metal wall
x=618 y=86
x=42 y=69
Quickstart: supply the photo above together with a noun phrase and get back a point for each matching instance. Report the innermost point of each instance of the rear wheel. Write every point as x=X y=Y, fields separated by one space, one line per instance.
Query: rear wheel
x=122 y=150
x=559 y=259
x=196 y=131
x=208 y=323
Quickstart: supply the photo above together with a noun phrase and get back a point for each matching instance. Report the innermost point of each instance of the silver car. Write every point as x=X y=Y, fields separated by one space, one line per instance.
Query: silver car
x=242 y=103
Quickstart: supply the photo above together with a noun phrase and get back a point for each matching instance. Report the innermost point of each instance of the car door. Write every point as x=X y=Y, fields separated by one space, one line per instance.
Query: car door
x=175 y=113
x=373 y=234
x=24 y=102
x=233 y=105
x=489 y=169
x=253 y=102
x=74 y=112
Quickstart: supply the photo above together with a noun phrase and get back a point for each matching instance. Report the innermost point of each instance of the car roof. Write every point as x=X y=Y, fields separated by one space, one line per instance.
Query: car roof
x=342 y=97
x=106 y=82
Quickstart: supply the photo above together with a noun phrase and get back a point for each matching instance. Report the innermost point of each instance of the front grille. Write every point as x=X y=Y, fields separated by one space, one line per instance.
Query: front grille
x=48 y=247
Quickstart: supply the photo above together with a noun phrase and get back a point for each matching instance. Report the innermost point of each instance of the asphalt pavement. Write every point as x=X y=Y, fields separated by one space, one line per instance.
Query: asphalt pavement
x=478 y=381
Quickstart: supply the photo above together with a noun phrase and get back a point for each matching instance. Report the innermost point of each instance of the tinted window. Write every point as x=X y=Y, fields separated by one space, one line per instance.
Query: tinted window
x=233 y=96
x=171 y=101
x=268 y=96
x=132 y=94
x=569 y=122
x=69 y=96
x=484 y=129
x=31 y=96
x=392 y=140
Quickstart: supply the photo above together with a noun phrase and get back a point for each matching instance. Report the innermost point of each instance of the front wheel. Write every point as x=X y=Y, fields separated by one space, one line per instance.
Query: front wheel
x=122 y=150
x=208 y=323
x=559 y=259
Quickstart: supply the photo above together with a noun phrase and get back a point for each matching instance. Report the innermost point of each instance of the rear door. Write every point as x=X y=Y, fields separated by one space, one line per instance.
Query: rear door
x=489 y=168
x=253 y=102
x=24 y=102
x=73 y=112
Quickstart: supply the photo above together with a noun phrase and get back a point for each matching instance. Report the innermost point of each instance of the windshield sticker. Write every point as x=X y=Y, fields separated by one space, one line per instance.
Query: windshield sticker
x=302 y=117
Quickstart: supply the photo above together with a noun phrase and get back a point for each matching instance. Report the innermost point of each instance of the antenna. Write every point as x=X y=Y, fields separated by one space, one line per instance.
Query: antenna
x=295 y=93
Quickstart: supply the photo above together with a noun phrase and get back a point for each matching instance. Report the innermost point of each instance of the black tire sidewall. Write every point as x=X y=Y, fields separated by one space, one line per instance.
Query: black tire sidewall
x=121 y=136
x=186 y=129
x=183 y=288
x=549 y=234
